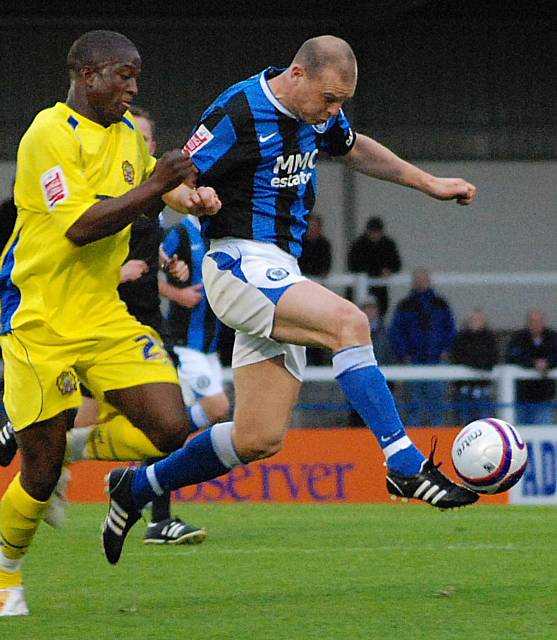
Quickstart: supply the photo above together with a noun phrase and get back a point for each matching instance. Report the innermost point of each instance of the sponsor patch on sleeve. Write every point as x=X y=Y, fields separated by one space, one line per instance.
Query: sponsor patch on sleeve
x=54 y=186
x=199 y=139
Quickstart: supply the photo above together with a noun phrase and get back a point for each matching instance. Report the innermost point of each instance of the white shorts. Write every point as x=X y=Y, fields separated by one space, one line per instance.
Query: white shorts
x=244 y=280
x=200 y=374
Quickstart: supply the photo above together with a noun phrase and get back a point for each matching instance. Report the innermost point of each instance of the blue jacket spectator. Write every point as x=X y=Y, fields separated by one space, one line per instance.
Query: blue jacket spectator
x=422 y=332
x=423 y=327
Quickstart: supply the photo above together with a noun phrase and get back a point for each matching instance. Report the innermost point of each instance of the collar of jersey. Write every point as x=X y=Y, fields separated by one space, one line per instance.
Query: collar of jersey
x=270 y=95
x=84 y=119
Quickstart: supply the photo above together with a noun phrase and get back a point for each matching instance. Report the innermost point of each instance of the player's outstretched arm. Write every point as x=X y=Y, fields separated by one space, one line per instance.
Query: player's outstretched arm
x=109 y=216
x=199 y=202
x=373 y=159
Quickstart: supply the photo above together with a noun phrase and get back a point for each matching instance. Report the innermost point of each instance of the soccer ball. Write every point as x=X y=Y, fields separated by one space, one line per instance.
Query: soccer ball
x=489 y=455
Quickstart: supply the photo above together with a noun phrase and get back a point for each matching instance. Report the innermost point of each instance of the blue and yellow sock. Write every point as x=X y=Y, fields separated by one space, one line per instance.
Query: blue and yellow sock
x=118 y=439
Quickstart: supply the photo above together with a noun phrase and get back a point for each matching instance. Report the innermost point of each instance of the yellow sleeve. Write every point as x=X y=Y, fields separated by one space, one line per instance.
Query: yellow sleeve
x=50 y=178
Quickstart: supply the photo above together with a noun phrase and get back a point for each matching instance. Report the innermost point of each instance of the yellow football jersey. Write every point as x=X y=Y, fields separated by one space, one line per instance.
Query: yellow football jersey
x=65 y=164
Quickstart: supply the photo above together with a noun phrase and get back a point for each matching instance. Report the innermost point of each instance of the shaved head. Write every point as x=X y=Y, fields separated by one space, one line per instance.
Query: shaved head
x=327 y=52
x=95 y=47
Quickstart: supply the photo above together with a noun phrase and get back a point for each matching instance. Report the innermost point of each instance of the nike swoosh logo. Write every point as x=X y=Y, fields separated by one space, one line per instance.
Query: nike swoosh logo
x=387 y=438
x=265 y=138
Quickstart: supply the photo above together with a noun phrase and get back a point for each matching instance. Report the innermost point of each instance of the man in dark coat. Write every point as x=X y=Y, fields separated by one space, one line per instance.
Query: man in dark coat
x=534 y=347
x=377 y=255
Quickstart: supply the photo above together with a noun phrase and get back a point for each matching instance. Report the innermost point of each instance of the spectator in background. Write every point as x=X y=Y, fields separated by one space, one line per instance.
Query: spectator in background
x=422 y=332
x=315 y=261
x=316 y=249
x=534 y=347
x=377 y=255
x=475 y=346
x=379 y=333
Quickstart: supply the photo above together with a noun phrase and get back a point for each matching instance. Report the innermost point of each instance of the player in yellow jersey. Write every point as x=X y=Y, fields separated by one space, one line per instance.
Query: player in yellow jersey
x=83 y=175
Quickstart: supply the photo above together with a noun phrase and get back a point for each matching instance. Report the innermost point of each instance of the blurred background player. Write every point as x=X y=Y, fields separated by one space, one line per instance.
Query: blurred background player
x=267 y=131
x=193 y=330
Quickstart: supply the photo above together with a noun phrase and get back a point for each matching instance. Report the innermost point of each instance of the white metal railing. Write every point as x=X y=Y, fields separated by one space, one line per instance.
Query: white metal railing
x=503 y=376
x=360 y=282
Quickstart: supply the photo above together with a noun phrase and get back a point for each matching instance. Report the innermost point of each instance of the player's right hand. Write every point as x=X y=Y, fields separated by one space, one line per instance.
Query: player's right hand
x=173 y=168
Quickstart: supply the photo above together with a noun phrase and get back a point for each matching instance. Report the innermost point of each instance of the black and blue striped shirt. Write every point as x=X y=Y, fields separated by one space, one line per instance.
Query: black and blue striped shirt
x=196 y=328
x=261 y=160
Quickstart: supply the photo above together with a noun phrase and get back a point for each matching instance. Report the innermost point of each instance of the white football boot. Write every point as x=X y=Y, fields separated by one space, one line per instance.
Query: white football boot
x=12 y=602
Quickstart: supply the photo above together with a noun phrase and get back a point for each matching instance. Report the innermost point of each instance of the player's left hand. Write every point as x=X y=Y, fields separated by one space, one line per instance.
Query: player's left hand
x=204 y=202
x=452 y=189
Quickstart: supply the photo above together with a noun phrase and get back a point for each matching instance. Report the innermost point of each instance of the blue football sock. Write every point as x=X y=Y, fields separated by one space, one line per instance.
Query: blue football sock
x=365 y=387
x=208 y=455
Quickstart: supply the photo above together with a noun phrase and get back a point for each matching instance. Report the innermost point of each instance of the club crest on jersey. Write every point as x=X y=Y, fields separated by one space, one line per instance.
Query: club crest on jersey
x=320 y=128
x=199 y=139
x=202 y=382
x=54 y=186
x=67 y=383
x=277 y=273
x=128 y=171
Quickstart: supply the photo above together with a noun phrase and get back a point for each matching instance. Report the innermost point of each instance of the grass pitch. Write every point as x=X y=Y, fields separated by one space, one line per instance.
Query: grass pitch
x=281 y=572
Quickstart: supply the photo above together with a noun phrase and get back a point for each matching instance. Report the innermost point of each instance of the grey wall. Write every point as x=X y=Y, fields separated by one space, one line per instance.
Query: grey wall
x=511 y=228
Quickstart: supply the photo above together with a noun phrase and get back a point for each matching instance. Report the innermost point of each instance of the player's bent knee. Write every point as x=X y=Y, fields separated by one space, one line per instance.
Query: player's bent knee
x=352 y=326
x=257 y=449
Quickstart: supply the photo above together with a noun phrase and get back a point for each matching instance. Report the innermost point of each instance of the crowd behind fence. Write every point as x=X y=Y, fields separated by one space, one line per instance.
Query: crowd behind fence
x=322 y=404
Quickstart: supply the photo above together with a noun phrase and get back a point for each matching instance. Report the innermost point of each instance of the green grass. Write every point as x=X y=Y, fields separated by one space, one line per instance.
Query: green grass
x=279 y=572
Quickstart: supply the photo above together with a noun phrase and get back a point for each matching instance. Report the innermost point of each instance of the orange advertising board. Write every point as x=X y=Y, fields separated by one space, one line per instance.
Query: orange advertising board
x=316 y=465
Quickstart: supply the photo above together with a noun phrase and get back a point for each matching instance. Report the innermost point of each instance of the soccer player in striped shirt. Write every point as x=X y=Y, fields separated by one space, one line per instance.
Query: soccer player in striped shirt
x=258 y=145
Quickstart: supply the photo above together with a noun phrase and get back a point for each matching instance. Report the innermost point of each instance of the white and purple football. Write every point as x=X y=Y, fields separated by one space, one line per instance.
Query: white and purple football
x=489 y=455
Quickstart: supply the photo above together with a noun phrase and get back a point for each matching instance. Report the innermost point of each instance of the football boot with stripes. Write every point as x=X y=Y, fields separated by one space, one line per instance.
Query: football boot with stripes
x=431 y=486
x=174 y=531
x=122 y=512
x=8 y=444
